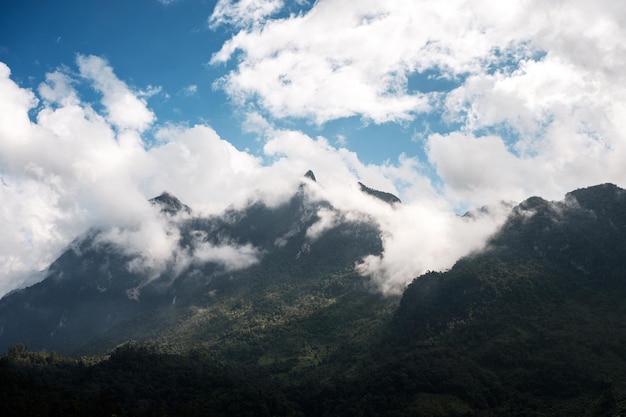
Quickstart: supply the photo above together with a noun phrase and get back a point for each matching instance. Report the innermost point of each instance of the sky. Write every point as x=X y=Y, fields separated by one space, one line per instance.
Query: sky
x=449 y=104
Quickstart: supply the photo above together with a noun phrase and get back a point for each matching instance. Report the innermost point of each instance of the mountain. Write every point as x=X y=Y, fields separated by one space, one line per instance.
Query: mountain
x=533 y=325
x=277 y=274
x=170 y=204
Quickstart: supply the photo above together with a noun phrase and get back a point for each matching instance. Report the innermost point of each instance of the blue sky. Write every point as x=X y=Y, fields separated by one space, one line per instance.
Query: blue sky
x=451 y=105
x=169 y=46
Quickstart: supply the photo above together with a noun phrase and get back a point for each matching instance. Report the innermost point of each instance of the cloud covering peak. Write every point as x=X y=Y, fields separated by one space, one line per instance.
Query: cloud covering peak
x=67 y=167
x=485 y=101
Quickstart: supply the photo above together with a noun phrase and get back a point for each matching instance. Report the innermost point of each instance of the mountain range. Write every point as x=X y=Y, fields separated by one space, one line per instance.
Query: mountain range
x=531 y=325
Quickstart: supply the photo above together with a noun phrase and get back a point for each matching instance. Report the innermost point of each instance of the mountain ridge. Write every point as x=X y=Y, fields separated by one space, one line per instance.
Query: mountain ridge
x=96 y=300
x=532 y=325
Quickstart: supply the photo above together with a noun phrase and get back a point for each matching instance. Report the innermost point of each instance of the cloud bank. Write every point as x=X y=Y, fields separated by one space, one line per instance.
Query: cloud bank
x=67 y=167
x=534 y=104
x=537 y=92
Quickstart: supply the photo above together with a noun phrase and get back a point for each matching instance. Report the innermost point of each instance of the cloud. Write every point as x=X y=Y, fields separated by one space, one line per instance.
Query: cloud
x=344 y=59
x=124 y=109
x=424 y=236
x=71 y=168
x=153 y=244
x=327 y=220
x=243 y=13
x=535 y=107
x=231 y=256
x=318 y=66
x=540 y=85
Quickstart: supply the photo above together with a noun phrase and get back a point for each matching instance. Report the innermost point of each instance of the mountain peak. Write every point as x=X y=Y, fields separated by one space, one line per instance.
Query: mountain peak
x=170 y=204
x=597 y=195
x=310 y=175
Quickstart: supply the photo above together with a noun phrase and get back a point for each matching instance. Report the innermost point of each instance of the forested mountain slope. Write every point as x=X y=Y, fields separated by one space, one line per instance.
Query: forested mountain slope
x=533 y=325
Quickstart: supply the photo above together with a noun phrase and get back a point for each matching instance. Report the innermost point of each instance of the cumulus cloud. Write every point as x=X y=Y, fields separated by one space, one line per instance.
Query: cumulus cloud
x=318 y=66
x=539 y=101
x=124 y=109
x=71 y=168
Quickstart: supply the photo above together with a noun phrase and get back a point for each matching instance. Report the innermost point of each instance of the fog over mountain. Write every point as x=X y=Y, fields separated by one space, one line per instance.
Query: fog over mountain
x=71 y=168
x=449 y=106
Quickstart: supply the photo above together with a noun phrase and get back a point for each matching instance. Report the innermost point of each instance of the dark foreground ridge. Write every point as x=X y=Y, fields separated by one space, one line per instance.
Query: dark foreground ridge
x=534 y=325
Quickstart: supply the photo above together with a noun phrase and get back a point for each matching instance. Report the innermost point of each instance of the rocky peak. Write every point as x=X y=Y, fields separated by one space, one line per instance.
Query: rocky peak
x=310 y=175
x=170 y=204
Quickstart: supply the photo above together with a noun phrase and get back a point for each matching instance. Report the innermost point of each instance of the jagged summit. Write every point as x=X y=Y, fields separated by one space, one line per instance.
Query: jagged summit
x=381 y=195
x=170 y=204
x=310 y=175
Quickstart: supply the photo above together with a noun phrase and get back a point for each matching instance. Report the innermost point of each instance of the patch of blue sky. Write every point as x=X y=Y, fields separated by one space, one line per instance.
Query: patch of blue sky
x=508 y=60
x=434 y=80
x=291 y=8
x=521 y=144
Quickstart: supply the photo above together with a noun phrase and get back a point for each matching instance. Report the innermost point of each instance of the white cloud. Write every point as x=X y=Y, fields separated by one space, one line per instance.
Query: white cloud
x=541 y=85
x=124 y=109
x=538 y=110
x=423 y=236
x=327 y=220
x=71 y=169
x=243 y=13
x=231 y=257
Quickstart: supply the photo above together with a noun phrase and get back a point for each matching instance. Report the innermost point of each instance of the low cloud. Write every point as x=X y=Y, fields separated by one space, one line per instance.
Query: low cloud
x=71 y=168
x=230 y=256
x=153 y=247
x=420 y=237
x=327 y=219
